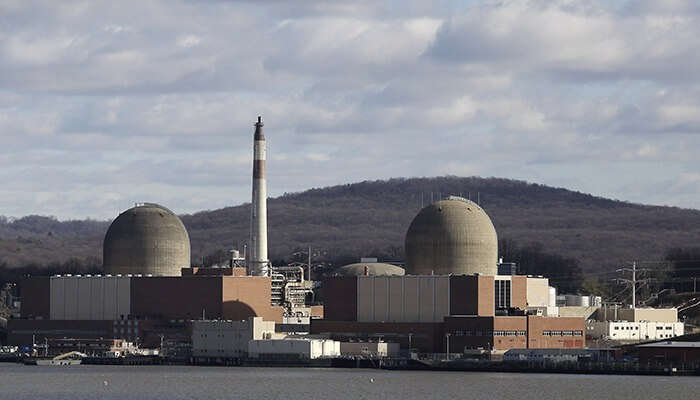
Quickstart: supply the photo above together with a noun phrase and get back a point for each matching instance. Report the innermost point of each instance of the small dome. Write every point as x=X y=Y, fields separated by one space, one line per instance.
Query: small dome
x=374 y=269
x=146 y=239
x=453 y=236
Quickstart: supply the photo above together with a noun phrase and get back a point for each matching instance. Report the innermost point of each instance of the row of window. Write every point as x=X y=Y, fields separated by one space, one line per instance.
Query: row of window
x=636 y=328
x=125 y=322
x=490 y=333
x=562 y=333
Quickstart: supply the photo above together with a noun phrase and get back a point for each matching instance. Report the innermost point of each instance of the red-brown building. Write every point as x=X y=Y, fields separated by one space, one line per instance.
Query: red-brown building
x=677 y=353
x=468 y=311
x=127 y=307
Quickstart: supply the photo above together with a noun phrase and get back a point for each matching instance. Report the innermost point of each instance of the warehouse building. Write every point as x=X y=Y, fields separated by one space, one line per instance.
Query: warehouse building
x=445 y=313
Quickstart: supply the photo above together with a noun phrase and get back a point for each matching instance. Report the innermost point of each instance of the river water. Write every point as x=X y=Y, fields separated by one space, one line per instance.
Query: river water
x=19 y=382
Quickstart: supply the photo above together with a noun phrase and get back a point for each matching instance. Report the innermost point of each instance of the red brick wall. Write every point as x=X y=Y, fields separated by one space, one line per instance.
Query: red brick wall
x=510 y=324
x=468 y=333
x=478 y=332
x=248 y=296
x=36 y=297
x=518 y=288
x=464 y=295
x=537 y=325
x=669 y=355
x=317 y=311
x=176 y=297
x=340 y=299
x=486 y=294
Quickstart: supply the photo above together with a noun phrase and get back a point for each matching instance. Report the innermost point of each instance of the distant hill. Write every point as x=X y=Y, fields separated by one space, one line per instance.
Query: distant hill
x=370 y=219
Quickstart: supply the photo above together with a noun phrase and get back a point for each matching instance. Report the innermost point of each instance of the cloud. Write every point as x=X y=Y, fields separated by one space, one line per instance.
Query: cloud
x=105 y=104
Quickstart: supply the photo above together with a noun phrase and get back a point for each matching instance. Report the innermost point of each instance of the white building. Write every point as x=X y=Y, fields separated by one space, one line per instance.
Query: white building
x=228 y=339
x=633 y=330
x=294 y=349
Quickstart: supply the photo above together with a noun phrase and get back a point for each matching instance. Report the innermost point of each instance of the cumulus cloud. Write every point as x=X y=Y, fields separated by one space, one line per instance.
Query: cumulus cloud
x=103 y=104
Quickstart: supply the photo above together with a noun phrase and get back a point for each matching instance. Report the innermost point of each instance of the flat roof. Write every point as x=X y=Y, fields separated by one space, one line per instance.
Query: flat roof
x=672 y=344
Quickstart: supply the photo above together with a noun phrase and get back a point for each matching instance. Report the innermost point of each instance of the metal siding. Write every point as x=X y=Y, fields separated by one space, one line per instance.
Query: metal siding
x=365 y=300
x=426 y=309
x=110 y=298
x=123 y=297
x=381 y=298
x=85 y=300
x=396 y=299
x=411 y=299
x=58 y=299
x=98 y=298
x=442 y=298
x=71 y=295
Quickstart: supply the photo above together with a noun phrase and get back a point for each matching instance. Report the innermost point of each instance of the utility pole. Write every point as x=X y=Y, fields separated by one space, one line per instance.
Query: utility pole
x=632 y=281
x=309 y=263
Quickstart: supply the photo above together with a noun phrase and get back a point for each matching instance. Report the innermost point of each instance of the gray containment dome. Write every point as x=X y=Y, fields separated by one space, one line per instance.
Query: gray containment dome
x=146 y=239
x=453 y=236
x=372 y=269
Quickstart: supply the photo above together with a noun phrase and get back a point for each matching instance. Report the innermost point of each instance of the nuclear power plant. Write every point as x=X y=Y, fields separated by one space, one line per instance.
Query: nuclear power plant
x=449 y=299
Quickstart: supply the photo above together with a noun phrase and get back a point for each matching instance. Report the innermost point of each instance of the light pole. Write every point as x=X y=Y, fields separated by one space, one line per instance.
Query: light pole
x=447 y=337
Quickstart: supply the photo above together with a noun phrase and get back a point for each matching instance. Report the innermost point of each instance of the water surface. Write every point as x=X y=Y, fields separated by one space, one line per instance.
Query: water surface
x=19 y=382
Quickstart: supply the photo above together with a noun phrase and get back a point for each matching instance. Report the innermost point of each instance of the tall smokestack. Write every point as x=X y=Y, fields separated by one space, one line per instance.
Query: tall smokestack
x=258 y=262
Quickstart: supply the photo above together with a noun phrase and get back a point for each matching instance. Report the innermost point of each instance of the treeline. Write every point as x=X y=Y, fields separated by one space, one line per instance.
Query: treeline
x=72 y=266
x=684 y=272
x=564 y=273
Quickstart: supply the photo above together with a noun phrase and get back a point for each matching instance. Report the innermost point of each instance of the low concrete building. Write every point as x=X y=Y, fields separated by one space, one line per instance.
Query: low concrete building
x=293 y=349
x=648 y=314
x=228 y=339
x=633 y=331
x=369 y=349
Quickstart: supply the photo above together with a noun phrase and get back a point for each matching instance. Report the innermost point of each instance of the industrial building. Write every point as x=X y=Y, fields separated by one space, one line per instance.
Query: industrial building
x=431 y=313
x=227 y=341
x=293 y=349
x=149 y=290
x=668 y=352
x=450 y=297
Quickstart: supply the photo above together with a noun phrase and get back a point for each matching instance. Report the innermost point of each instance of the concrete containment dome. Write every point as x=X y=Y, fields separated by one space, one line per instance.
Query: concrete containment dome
x=373 y=269
x=453 y=236
x=146 y=239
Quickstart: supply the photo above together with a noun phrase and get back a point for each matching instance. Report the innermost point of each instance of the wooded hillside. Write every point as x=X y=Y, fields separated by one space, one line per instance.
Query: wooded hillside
x=370 y=219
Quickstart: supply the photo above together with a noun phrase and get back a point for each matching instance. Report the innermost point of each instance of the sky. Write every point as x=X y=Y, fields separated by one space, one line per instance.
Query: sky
x=108 y=103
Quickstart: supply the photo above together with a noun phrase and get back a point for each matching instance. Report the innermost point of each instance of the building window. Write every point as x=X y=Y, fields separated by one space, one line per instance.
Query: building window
x=501 y=294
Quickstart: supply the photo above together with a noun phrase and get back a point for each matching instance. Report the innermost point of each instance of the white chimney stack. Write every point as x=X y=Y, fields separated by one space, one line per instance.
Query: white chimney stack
x=258 y=264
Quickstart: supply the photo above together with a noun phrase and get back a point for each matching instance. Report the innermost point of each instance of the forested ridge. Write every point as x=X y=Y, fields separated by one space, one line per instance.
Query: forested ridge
x=345 y=222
